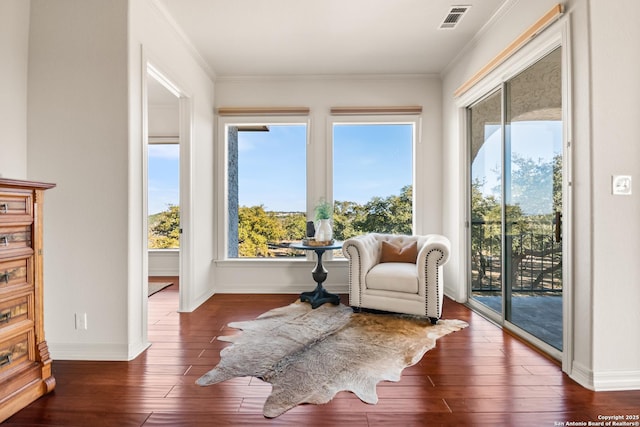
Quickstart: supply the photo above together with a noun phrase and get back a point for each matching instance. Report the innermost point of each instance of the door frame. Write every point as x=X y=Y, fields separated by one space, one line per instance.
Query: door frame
x=185 y=136
x=555 y=36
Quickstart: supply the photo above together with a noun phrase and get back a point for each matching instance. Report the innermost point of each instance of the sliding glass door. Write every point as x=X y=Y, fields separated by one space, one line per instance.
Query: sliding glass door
x=516 y=142
x=486 y=201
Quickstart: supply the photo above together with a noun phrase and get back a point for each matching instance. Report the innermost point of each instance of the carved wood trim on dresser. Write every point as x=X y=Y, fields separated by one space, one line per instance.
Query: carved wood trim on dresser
x=25 y=363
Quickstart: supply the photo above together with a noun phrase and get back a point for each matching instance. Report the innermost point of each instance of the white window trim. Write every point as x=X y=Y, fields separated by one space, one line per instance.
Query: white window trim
x=416 y=121
x=222 y=188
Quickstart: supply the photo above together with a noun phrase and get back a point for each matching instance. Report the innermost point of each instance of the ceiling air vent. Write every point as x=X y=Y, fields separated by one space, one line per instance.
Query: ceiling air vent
x=454 y=17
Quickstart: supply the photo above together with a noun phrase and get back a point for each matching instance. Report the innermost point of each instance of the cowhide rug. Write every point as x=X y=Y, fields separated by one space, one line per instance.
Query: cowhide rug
x=310 y=355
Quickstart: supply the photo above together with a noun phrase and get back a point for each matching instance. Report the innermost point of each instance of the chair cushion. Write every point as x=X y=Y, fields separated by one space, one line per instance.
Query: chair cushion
x=393 y=276
x=390 y=252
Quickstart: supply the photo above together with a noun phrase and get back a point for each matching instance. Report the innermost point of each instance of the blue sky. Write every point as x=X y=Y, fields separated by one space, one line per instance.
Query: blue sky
x=271 y=168
x=163 y=182
x=370 y=160
x=536 y=140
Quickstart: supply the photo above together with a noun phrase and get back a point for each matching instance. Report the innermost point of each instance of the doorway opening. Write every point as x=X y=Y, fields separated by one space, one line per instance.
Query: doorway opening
x=163 y=183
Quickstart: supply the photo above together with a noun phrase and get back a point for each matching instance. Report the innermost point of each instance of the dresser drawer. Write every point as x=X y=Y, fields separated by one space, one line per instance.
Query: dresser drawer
x=14 y=310
x=15 y=206
x=14 y=239
x=16 y=273
x=14 y=351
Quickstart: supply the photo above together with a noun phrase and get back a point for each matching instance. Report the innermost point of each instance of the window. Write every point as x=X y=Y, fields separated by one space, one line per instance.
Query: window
x=164 y=195
x=266 y=189
x=373 y=178
x=272 y=183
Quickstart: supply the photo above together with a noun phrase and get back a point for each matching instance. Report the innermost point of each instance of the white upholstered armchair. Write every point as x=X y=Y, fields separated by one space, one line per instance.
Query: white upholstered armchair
x=397 y=273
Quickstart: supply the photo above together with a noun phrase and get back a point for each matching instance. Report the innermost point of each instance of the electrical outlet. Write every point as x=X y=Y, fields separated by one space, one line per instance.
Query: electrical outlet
x=81 y=321
x=621 y=185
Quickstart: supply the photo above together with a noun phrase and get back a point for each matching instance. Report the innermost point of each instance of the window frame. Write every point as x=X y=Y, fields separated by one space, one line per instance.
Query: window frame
x=319 y=172
x=152 y=141
x=387 y=119
x=222 y=188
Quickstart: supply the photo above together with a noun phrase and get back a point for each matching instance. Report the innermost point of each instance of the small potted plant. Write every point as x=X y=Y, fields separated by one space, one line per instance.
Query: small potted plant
x=324 y=212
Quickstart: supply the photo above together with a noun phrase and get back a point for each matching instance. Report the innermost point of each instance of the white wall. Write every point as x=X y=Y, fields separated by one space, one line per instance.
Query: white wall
x=85 y=134
x=320 y=94
x=78 y=139
x=615 y=124
x=604 y=274
x=164 y=262
x=14 y=40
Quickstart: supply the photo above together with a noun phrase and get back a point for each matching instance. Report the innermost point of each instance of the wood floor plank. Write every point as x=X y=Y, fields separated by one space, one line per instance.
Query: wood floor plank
x=507 y=419
x=481 y=376
x=57 y=417
x=161 y=419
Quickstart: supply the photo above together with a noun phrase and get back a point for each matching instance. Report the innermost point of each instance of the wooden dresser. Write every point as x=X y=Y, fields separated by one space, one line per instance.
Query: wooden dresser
x=25 y=365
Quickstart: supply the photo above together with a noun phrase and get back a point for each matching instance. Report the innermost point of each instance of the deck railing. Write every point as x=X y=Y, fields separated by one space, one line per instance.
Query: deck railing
x=532 y=258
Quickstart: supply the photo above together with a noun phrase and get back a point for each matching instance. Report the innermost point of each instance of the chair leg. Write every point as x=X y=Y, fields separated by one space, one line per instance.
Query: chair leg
x=433 y=320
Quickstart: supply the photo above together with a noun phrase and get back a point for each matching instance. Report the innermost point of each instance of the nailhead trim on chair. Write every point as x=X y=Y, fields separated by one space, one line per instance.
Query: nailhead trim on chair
x=426 y=282
x=359 y=273
x=426 y=294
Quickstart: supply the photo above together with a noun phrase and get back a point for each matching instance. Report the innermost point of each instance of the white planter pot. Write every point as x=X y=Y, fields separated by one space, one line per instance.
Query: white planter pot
x=323 y=230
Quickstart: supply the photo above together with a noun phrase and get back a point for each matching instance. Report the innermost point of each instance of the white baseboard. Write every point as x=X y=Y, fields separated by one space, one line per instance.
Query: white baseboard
x=257 y=288
x=97 y=352
x=605 y=381
x=582 y=375
x=455 y=294
x=198 y=302
x=616 y=380
x=171 y=272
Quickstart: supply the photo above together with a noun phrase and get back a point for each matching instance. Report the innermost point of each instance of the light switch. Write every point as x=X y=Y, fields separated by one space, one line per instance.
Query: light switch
x=621 y=185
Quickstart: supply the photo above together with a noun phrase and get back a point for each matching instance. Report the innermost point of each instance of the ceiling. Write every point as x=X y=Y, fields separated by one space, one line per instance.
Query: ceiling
x=326 y=37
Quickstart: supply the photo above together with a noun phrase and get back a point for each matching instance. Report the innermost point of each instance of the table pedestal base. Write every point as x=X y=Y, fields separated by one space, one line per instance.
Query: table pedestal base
x=319 y=296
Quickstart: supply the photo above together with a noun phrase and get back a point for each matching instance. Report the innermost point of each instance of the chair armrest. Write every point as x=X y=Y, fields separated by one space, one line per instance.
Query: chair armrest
x=362 y=253
x=432 y=255
x=433 y=247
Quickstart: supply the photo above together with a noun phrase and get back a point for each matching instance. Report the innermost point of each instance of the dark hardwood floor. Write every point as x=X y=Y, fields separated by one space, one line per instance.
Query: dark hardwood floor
x=477 y=376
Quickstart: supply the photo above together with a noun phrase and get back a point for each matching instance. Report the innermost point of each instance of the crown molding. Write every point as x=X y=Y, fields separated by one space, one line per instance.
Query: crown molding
x=320 y=77
x=182 y=36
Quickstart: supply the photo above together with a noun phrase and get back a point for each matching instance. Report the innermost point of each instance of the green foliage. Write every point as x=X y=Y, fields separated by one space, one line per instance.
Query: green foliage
x=295 y=226
x=323 y=209
x=261 y=233
x=392 y=214
x=345 y=217
x=164 y=229
x=256 y=228
x=264 y=234
x=536 y=194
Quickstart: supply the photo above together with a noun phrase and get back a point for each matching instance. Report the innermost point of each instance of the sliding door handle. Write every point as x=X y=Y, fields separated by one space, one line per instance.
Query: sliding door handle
x=558 y=227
